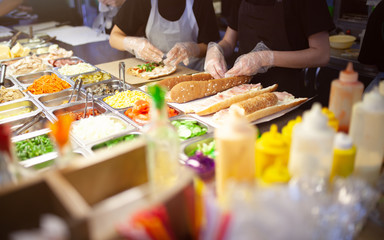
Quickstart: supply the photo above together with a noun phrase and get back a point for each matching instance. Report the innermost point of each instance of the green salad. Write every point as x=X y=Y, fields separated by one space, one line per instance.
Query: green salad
x=115 y=141
x=188 y=129
x=34 y=147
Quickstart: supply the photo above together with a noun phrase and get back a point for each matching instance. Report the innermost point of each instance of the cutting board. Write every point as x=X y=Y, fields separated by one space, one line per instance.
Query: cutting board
x=113 y=68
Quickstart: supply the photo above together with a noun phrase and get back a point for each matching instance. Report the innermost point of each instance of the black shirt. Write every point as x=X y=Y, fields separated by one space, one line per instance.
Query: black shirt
x=302 y=17
x=372 y=49
x=133 y=16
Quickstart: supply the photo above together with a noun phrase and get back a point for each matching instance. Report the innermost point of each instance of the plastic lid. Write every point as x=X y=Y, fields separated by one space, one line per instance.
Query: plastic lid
x=332 y=120
x=273 y=141
x=314 y=119
x=373 y=100
x=342 y=141
x=349 y=75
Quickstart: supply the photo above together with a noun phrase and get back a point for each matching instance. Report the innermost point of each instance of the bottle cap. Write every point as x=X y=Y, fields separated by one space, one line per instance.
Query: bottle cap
x=349 y=75
x=314 y=119
x=373 y=100
x=342 y=141
x=273 y=142
x=332 y=120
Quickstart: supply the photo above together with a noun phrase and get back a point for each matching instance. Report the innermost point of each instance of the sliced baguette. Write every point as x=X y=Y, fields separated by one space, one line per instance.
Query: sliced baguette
x=170 y=82
x=191 y=90
x=235 y=99
x=274 y=109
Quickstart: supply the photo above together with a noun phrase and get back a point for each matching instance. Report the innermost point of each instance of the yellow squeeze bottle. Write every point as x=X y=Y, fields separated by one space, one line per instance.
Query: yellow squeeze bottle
x=332 y=120
x=272 y=154
x=344 y=153
x=287 y=130
x=235 y=161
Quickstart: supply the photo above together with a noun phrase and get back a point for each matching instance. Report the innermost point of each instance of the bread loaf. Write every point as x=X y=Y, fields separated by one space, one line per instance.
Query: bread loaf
x=256 y=103
x=191 y=90
x=170 y=82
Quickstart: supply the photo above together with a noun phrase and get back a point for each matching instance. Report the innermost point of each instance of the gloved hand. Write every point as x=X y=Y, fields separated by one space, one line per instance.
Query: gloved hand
x=142 y=49
x=259 y=60
x=214 y=61
x=182 y=52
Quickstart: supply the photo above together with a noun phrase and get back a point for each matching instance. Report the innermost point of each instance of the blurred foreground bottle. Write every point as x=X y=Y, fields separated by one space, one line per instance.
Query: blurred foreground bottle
x=312 y=144
x=272 y=154
x=60 y=134
x=344 y=154
x=235 y=160
x=163 y=144
x=345 y=92
x=8 y=168
x=367 y=132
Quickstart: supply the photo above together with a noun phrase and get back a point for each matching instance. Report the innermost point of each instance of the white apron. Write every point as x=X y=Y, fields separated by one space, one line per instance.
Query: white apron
x=164 y=34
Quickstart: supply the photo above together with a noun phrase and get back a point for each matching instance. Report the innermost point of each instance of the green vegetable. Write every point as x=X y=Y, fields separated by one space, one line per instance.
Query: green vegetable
x=115 y=141
x=188 y=129
x=34 y=147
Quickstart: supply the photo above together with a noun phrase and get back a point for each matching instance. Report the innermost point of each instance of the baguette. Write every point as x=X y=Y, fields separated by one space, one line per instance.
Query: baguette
x=170 y=82
x=251 y=105
x=191 y=90
x=228 y=101
x=274 y=109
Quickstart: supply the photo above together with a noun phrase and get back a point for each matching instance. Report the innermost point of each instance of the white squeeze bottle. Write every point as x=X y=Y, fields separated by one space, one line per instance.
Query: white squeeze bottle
x=345 y=92
x=367 y=132
x=235 y=161
x=311 y=150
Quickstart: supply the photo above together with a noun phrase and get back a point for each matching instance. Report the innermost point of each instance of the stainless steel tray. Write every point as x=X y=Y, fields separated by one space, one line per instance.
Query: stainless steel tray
x=133 y=90
x=27 y=79
x=79 y=107
x=56 y=70
x=79 y=60
x=15 y=87
x=8 y=82
x=114 y=84
x=185 y=117
x=84 y=142
x=14 y=110
x=92 y=146
x=41 y=125
x=60 y=98
x=73 y=79
x=189 y=146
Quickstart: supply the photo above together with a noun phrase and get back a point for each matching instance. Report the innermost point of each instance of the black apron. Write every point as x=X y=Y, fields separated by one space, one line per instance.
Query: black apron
x=263 y=20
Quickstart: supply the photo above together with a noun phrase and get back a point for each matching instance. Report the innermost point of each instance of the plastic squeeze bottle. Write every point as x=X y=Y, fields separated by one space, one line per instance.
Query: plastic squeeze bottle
x=272 y=154
x=235 y=160
x=344 y=154
x=312 y=144
x=163 y=144
x=345 y=91
x=367 y=132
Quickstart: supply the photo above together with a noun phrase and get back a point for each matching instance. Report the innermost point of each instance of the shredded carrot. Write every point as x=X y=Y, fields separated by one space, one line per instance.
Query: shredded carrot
x=48 y=84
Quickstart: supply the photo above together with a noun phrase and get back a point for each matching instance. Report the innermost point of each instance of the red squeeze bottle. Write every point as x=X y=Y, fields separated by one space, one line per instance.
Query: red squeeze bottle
x=345 y=91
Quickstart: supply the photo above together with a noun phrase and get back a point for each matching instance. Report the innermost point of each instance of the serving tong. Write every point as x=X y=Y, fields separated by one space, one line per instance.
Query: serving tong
x=77 y=86
x=37 y=118
x=89 y=93
x=2 y=76
x=122 y=84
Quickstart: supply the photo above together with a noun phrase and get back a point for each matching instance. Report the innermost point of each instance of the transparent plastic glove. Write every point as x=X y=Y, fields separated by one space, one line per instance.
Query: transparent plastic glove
x=182 y=52
x=259 y=60
x=142 y=49
x=214 y=61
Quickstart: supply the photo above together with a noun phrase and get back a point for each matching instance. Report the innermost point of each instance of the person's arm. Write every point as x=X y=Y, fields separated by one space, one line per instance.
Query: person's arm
x=138 y=46
x=259 y=60
x=316 y=55
x=215 y=61
x=8 y=5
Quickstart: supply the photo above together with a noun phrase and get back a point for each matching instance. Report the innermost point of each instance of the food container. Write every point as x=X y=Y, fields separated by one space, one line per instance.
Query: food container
x=28 y=79
x=112 y=141
x=60 y=98
x=125 y=99
x=13 y=88
x=114 y=85
x=187 y=132
x=40 y=125
x=74 y=71
x=189 y=148
x=79 y=107
x=8 y=82
x=65 y=61
x=88 y=131
x=342 y=41
x=17 y=109
x=93 y=77
x=33 y=161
